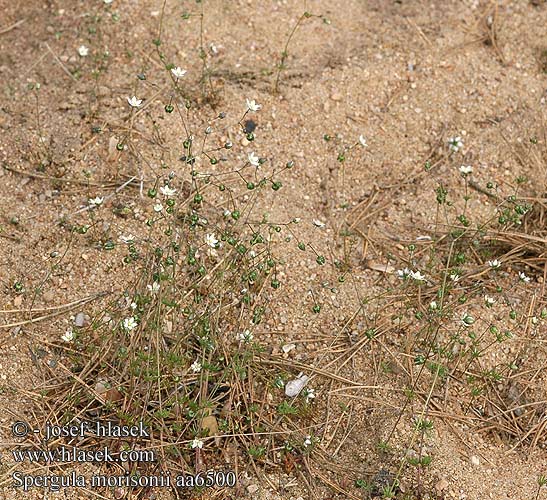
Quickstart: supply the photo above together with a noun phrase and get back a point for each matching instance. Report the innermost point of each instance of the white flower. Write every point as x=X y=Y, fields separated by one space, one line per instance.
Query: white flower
x=245 y=336
x=211 y=240
x=403 y=273
x=454 y=277
x=167 y=191
x=494 y=264
x=107 y=2
x=307 y=441
x=68 y=336
x=253 y=159
x=196 y=368
x=252 y=105
x=363 y=141
x=95 y=202
x=158 y=207
x=489 y=301
x=127 y=239
x=197 y=443
x=455 y=144
x=178 y=72
x=133 y=305
x=309 y=393
x=154 y=287
x=417 y=275
x=134 y=102
x=129 y=324
x=524 y=278
x=467 y=320
x=433 y=305
x=83 y=50
x=466 y=169
x=318 y=223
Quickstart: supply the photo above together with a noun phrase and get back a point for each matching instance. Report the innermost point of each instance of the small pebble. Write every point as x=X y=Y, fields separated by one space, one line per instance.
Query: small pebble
x=79 y=320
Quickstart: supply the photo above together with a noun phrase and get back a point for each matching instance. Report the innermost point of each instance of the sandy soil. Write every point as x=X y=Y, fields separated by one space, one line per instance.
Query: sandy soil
x=407 y=74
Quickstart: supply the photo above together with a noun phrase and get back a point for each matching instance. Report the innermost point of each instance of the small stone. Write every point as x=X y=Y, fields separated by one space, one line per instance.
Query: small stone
x=101 y=387
x=79 y=320
x=17 y=301
x=252 y=488
x=475 y=460
x=119 y=493
x=49 y=296
x=293 y=388
x=103 y=91
x=441 y=485
x=288 y=348
x=336 y=96
x=244 y=142
x=112 y=148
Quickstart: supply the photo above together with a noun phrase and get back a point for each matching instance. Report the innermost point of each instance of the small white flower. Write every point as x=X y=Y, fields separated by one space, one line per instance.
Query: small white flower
x=363 y=140
x=454 y=277
x=433 y=306
x=133 y=305
x=252 y=105
x=404 y=273
x=154 y=287
x=254 y=160
x=83 y=50
x=417 y=275
x=95 y=202
x=178 y=72
x=245 y=336
x=489 y=301
x=158 y=207
x=307 y=441
x=197 y=443
x=524 y=278
x=309 y=393
x=211 y=240
x=494 y=264
x=196 y=368
x=134 y=102
x=455 y=144
x=167 y=191
x=68 y=336
x=127 y=239
x=129 y=324
x=107 y=2
x=467 y=320
x=466 y=169
x=318 y=223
